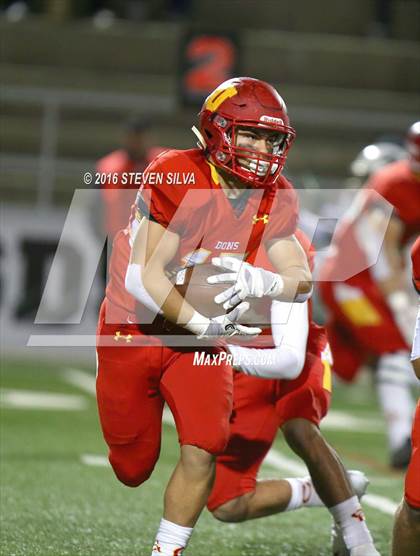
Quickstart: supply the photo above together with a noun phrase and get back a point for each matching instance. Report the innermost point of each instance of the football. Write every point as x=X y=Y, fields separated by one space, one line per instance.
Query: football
x=191 y=283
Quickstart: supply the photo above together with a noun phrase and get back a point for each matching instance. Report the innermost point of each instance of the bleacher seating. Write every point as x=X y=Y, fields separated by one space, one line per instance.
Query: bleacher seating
x=342 y=91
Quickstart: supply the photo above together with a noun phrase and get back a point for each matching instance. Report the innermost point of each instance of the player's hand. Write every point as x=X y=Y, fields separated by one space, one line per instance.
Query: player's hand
x=226 y=326
x=248 y=281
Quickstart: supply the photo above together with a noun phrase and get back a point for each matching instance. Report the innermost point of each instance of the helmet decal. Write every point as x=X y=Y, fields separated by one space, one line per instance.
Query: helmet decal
x=218 y=96
x=245 y=105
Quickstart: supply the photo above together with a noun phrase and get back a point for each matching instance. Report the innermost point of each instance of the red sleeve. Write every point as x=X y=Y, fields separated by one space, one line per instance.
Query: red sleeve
x=388 y=183
x=384 y=180
x=415 y=258
x=158 y=198
x=116 y=198
x=284 y=212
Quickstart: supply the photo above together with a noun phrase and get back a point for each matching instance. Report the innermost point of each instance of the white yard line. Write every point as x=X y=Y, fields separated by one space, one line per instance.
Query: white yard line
x=94 y=460
x=278 y=461
x=81 y=379
x=168 y=418
x=343 y=421
x=274 y=458
x=29 y=399
x=380 y=503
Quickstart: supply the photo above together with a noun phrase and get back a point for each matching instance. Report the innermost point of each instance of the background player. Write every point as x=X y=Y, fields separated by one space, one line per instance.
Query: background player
x=245 y=137
x=406 y=536
x=135 y=154
x=297 y=353
x=369 y=312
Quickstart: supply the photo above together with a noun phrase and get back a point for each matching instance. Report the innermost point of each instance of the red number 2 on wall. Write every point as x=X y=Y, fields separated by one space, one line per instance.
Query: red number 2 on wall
x=212 y=61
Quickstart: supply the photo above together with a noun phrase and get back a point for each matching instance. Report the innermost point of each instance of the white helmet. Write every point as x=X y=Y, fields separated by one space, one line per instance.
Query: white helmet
x=373 y=157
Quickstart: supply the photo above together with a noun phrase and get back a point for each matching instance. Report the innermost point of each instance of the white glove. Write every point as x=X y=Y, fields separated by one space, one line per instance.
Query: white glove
x=248 y=280
x=222 y=326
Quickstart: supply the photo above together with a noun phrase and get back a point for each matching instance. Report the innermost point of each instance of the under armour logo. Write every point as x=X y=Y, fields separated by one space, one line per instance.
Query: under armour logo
x=263 y=219
x=119 y=336
x=229 y=327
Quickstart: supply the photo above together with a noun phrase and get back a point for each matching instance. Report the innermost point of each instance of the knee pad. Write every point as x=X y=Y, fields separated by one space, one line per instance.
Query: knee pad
x=132 y=463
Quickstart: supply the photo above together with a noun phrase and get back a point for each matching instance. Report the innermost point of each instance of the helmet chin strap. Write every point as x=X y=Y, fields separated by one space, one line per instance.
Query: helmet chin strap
x=201 y=141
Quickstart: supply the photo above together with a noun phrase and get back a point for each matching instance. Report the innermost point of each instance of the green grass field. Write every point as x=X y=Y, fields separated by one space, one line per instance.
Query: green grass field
x=52 y=503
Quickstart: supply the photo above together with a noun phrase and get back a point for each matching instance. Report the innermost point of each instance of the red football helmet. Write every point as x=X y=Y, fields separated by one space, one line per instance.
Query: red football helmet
x=241 y=103
x=413 y=147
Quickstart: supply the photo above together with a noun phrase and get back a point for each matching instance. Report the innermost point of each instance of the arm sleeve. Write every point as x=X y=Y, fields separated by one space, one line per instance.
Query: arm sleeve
x=290 y=328
x=134 y=286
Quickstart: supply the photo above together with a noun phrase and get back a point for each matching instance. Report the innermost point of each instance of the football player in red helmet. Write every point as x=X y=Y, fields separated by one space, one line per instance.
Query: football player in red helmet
x=244 y=139
x=369 y=308
x=406 y=532
x=235 y=118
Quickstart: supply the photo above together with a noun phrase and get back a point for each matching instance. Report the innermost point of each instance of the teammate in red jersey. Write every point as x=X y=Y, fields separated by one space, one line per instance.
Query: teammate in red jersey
x=116 y=173
x=364 y=291
x=406 y=537
x=294 y=396
x=191 y=203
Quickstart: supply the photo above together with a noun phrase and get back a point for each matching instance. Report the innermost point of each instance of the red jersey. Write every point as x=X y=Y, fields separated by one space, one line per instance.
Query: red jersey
x=401 y=189
x=119 y=194
x=181 y=192
x=415 y=258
